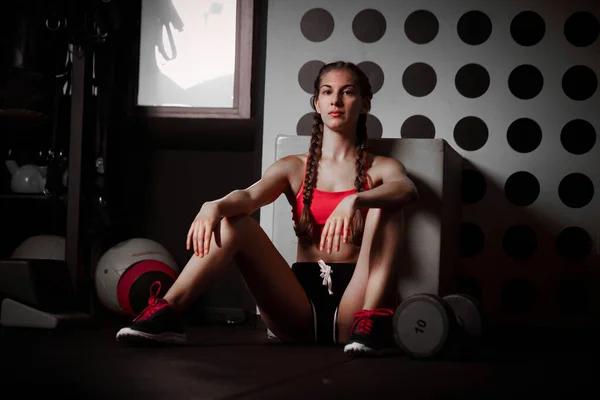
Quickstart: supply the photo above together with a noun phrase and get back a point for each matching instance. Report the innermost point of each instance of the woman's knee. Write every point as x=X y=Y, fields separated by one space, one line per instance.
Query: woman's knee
x=378 y=215
x=231 y=228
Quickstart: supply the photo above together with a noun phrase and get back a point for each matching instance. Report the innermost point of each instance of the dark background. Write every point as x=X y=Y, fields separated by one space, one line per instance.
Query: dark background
x=158 y=171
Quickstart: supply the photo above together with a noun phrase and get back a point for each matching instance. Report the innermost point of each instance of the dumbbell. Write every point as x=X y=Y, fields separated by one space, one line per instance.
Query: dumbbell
x=427 y=326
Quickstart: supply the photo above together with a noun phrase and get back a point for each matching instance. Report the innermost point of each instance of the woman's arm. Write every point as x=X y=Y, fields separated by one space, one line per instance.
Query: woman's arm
x=237 y=203
x=266 y=190
x=396 y=191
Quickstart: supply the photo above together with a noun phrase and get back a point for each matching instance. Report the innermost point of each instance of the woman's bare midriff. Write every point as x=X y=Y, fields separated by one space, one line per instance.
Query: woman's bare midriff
x=348 y=253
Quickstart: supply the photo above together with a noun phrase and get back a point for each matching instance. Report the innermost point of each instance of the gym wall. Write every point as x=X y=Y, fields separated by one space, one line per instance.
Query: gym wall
x=513 y=87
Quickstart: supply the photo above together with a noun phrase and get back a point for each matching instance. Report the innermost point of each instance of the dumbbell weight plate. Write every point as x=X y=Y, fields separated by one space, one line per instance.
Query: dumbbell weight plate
x=469 y=315
x=422 y=324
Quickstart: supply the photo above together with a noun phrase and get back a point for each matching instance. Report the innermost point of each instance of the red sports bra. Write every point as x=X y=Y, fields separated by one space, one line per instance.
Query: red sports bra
x=323 y=203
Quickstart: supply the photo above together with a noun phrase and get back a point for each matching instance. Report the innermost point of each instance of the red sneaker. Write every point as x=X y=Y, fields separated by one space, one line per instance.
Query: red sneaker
x=158 y=323
x=370 y=332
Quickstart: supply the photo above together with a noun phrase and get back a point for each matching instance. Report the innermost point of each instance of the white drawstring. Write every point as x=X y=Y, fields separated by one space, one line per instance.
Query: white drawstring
x=326 y=275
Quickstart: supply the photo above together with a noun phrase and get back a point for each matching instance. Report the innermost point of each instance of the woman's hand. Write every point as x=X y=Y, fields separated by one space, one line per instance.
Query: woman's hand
x=338 y=224
x=203 y=226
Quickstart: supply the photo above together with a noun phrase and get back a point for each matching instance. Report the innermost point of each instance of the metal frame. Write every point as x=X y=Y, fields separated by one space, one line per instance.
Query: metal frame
x=242 y=77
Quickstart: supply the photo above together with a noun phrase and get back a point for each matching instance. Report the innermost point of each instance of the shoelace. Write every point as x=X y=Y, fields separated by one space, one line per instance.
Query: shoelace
x=364 y=319
x=326 y=275
x=153 y=303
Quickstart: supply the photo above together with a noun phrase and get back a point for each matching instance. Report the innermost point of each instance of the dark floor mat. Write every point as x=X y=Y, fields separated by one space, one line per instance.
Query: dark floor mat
x=240 y=362
x=221 y=361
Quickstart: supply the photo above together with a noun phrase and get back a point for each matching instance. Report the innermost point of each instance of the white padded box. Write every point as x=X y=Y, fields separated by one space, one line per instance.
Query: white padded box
x=432 y=223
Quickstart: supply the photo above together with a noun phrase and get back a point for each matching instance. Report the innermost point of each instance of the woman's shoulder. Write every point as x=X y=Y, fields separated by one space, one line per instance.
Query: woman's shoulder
x=292 y=161
x=378 y=161
x=382 y=168
x=297 y=159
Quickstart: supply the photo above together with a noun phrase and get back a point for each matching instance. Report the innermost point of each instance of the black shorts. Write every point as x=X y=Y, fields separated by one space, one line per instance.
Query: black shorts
x=324 y=305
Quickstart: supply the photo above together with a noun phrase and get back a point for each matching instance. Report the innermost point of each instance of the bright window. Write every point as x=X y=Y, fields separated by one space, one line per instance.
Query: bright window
x=195 y=58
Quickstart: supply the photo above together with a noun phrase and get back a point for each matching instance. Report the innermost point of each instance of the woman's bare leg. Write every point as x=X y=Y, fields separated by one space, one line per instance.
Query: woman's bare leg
x=374 y=282
x=283 y=304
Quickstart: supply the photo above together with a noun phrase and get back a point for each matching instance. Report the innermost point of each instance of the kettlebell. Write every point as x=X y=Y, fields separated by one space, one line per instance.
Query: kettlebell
x=28 y=178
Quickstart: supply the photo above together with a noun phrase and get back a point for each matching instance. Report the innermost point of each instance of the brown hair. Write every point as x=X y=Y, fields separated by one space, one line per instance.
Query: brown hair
x=305 y=227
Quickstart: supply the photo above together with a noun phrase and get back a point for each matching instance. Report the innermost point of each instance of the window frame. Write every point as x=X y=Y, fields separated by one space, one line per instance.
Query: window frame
x=241 y=108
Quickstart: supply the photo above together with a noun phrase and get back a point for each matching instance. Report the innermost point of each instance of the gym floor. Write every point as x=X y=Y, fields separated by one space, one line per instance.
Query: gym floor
x=226 y=362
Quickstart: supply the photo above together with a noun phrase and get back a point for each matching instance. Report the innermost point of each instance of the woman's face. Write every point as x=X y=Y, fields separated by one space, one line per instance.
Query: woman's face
x=339 y=101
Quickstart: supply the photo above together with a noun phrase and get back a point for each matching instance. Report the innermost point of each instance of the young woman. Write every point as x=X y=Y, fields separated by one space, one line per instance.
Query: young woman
x=347 y=206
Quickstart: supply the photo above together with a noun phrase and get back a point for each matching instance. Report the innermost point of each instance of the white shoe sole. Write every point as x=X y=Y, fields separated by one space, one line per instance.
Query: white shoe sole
x=359 y=349
x=128 y=335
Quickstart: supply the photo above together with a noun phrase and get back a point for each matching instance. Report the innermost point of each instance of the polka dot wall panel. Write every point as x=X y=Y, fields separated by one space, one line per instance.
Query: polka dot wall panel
x=513 y=87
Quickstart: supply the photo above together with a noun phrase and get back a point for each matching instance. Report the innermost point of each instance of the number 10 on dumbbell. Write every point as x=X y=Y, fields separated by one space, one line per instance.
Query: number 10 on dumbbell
x=427 y=326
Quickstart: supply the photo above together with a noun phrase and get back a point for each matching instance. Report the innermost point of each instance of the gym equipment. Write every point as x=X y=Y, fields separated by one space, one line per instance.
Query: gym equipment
x=41 y=247
x=28 y=178
x=15 y=314
x=38 y=294
x=469 y=315
x=43 y=284
x=427 y=326
x=126 y=271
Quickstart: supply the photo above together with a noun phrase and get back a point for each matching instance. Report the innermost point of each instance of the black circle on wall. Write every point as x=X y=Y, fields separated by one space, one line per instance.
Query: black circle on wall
x=471 y=133
x=468 y=285
x=419 y=79
x=317 y=25
x=579 y=82
x=472 y=81
x=417 y=127
x=525 y=82
x=374 y=127
x=527 y=28
x=374 y=73
x=308 y=73
x=582 y=29
x=524 y=135
x=305 y=124
x=576 y=190
x=573 y=297
x=369 y=25
x=421 y=26
x=473 y=186
x=578 y=136
x=574 y=243
x=471 y=239
x=474 y=27
x=522 y=188
x=519 y=242
x=517 y=295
